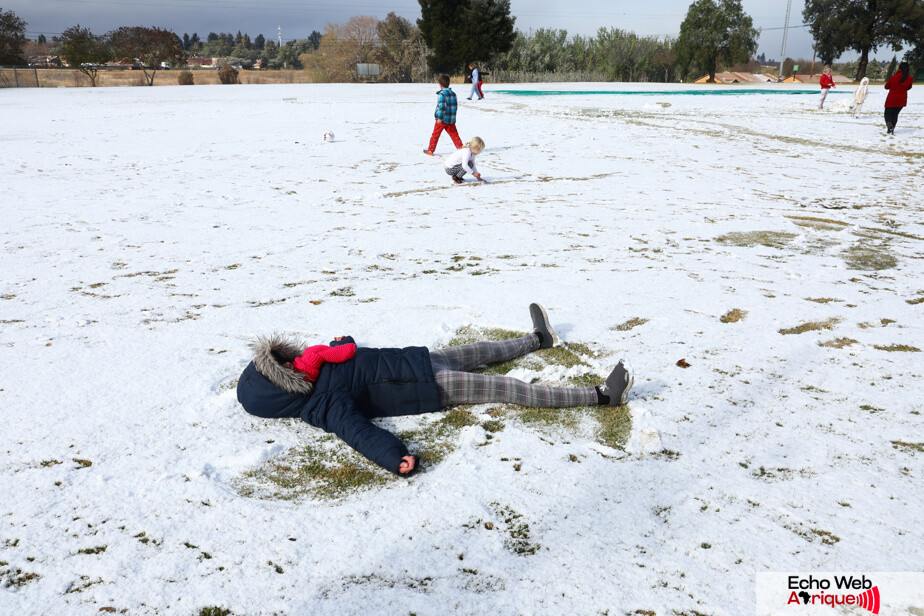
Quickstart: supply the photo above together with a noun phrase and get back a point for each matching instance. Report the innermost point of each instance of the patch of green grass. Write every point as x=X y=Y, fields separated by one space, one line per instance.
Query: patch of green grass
x=868 y=258
x=902 y=348
x=82 y=463
x=84 y=583
x=811 y=326
x=343 y=292
x=733 y=316
x=433 y=442
x=838 y=343
x=493 y=425
x=633 y=322
x=518 y=538
x=214 y=611
x=567 y=355
x=314 y=471
x=615 y=425
x=826 y=537
x=469 y=334
x=17 y=577
x=824 y=224
x=919 y=447
x=770 y=239
x=47 y=463
x=97 y=550
x=227 y=386
x=822 y=300
x=917 y=300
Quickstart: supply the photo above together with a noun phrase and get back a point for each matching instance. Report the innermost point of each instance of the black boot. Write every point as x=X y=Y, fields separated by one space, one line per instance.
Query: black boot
x=547 y=336
x=616 y=388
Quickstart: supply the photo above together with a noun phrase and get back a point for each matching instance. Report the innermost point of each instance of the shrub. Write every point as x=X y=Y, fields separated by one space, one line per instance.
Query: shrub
x=185 y=78
x=226 y=74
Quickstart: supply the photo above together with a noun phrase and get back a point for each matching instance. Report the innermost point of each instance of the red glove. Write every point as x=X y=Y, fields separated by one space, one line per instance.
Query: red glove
x=313 y=357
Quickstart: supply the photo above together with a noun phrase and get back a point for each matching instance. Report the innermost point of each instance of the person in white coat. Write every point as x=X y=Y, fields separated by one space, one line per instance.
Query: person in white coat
x=859 y=97
x=462 y=161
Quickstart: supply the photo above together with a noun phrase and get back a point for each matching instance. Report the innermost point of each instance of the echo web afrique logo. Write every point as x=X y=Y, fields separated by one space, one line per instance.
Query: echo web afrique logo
x=817 y=591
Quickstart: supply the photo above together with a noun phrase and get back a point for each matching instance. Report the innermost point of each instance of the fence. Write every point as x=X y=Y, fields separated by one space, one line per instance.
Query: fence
x=502 y=76
x=13 y=77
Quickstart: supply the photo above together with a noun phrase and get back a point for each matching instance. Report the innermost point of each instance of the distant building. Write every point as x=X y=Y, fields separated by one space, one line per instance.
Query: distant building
x=45 y=61
x=738 y=78
x=199 y=62
x=816 y=78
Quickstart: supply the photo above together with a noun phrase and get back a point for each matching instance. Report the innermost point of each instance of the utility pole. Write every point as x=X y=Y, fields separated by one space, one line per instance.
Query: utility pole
x=279 y=30
x=785 y=32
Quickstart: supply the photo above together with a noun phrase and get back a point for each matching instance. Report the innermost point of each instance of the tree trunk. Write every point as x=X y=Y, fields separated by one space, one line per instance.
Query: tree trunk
x=861 y=67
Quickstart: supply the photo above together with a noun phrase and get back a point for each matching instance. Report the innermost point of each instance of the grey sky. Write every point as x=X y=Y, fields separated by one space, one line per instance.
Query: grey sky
x=298 y=19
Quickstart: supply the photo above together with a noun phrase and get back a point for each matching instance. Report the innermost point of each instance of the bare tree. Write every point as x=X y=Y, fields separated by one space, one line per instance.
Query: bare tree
x=343 y=46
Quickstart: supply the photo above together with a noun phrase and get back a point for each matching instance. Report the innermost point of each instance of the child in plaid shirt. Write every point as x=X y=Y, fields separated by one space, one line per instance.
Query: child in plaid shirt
x=445 y=115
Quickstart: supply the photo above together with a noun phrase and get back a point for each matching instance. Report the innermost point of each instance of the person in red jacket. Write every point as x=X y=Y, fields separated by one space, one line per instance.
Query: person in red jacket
x=898 y=86
x=826 y=83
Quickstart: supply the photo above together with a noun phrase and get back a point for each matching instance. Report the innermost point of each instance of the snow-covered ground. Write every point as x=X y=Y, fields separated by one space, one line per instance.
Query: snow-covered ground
x=148 y=233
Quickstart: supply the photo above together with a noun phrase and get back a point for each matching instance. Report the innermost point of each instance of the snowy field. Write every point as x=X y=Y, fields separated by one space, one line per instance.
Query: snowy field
x=149 y=233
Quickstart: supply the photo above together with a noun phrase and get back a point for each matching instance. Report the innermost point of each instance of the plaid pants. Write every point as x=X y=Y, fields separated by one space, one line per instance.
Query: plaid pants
x=456 y=171
x=457 y=385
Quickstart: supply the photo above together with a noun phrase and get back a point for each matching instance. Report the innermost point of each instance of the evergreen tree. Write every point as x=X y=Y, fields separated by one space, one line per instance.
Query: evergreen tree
x=401 y=48
x=314 y=39
x=863 y=26
x=41 y=39
x=12 y=38
x=892 y=66
x=462 y=31
x=185 y=41
x=238 y=39
x=259 y=42
x=715 y=32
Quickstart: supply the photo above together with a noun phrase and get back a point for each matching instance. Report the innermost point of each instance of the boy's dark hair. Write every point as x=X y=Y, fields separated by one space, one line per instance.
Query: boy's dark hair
x=443 y=80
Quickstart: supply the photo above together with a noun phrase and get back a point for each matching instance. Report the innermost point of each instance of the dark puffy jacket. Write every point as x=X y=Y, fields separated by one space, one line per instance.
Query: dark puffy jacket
x=375 y=383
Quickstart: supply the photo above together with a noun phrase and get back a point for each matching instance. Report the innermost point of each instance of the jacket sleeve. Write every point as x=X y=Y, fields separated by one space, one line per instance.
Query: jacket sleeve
x=440 y=106
x=376 y=444
x=346 y=340
x=469 y=164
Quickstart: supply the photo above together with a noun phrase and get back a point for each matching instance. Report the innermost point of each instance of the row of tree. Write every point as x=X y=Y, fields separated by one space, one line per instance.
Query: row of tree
x=864 y=26
x=715 y=34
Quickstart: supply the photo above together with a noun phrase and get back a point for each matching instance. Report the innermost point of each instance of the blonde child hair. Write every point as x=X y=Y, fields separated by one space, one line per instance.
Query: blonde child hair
x=476 y=145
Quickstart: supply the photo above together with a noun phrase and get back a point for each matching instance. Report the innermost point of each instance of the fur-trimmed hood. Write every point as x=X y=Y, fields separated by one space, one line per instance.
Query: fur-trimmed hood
x=269 y=355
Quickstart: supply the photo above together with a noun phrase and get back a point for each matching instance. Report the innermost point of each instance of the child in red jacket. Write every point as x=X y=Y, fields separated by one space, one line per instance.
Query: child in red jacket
x=827 y=82
x=898 y=86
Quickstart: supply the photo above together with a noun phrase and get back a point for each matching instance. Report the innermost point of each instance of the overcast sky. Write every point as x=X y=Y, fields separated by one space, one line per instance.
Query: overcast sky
x=298 y=19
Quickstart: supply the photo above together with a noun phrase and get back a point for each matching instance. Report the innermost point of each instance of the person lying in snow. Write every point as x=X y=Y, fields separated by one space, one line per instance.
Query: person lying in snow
x=341 y=387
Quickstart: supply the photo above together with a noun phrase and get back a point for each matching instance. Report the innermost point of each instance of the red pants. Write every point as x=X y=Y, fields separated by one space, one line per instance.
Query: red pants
x=480 y=93
x=439 y=128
